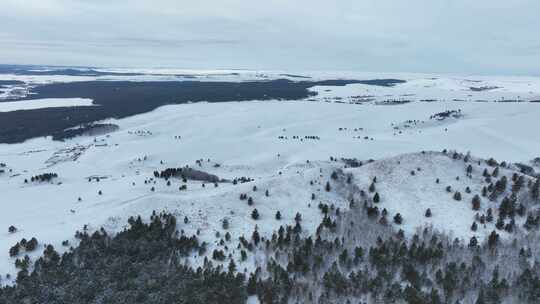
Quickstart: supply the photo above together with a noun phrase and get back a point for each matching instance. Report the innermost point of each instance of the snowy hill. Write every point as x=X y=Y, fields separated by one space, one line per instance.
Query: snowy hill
x=285 y=147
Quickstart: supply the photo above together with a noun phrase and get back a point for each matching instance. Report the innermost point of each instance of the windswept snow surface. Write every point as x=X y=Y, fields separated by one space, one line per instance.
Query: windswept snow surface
x=258 y=140
x=44 y=103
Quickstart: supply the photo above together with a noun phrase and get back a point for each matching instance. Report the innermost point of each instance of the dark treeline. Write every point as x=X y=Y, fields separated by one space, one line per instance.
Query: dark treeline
x=119 y=99
x=139 y=265
x=187 y=173
x=10 y=82
x=45 y=177
x=91 y=129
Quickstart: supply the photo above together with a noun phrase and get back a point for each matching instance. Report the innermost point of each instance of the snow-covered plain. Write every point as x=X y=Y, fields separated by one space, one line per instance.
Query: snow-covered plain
x=44 y=103
x=258 y=139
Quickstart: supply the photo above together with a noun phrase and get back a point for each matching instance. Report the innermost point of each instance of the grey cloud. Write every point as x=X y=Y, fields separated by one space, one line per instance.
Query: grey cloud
x=482 y=36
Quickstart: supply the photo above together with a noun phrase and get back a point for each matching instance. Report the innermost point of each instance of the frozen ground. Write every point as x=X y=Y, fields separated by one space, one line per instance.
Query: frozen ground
x=259 y=140
x=44 y=103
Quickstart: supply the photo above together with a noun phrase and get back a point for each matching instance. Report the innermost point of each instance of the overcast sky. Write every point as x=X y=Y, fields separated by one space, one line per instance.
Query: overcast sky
x=452 y=36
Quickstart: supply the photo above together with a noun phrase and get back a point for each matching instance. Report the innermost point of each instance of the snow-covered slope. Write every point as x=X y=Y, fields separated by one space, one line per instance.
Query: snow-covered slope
x=284 y=146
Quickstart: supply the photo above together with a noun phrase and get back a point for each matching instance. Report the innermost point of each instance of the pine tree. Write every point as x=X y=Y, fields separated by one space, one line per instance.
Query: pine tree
x=376 y=198
x=398 y=219
x=255 y=214
x=278 y=215
x=372 y=187
x=473 y=242
x=476 y=203
x=457 y=196
x=535 y=191
x=12 y=229
x=493 y=239
x=232 y=266
x=225 y=224
x=489 y=216
x=500 y=223
x=474 y=227
x=256 y=237
x=327 y=187
x=251 y=286
x=428 y=212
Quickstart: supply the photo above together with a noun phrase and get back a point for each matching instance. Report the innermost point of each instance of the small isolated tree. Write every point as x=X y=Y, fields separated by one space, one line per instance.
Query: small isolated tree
x=495 y=172
x=278 y=215
x=398 y=219
x=186 y=220
x=100 y=193
x=312 y=196
x=250 y=201
x=428 y=212
x=266 y=193
x=334 y=175
x=12 y=229
x=457 y=196
x=225 y=224
x=476 y=203
x=255 y=214
x=376 y=198
x=327 y=187
x=298 y=217
x=474 y=226
x=372 y=187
